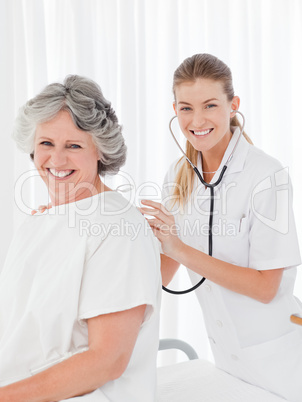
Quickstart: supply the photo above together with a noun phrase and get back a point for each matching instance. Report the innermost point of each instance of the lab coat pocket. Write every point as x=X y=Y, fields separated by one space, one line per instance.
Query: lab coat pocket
x=231 y=240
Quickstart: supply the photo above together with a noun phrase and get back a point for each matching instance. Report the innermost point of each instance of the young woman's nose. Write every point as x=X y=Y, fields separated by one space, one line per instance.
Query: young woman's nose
x=198 y=118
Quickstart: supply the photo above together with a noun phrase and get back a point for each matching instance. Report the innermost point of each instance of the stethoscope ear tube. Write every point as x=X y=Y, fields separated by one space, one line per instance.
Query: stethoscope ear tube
x=211 y=186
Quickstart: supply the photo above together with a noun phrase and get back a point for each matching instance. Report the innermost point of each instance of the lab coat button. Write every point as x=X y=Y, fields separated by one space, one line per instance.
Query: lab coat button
x=234 y=357
x=219 y=324
x=208 y=288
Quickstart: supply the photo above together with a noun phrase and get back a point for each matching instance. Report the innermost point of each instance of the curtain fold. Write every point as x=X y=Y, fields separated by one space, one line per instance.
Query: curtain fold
x=131 y=48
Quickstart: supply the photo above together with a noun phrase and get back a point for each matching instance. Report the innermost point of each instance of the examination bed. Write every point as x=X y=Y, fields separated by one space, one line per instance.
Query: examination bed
x=198 y=380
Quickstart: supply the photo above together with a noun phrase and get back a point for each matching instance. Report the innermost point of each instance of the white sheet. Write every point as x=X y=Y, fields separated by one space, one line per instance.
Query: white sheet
x=200 y=380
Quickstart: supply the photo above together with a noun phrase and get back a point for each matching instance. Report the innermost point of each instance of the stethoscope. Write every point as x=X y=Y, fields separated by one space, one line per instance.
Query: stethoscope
x=211 y=186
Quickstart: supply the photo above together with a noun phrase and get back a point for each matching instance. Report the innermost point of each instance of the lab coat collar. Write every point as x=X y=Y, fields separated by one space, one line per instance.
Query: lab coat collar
x=236 y=164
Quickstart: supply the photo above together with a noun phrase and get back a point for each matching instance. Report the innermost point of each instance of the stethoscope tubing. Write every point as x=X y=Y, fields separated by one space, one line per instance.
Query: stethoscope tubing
x=211 y=186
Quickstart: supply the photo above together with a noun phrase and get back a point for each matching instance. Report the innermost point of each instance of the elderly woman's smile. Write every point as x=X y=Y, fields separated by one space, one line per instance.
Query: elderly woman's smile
x=64 y=154
x=60 y=174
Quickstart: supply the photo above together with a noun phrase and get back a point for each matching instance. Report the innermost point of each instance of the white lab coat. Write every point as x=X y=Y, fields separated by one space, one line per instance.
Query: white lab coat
x=254 y=227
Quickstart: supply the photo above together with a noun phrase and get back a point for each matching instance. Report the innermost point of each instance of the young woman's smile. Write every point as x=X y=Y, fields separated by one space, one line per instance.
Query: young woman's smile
x=204 y=114
x=67 y=159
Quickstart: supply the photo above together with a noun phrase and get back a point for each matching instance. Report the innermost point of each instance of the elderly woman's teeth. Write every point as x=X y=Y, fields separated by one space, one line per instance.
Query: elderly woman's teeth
x=61 y=173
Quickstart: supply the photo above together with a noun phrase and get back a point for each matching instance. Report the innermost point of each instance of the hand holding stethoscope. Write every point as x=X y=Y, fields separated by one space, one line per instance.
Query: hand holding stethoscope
x=163 y=226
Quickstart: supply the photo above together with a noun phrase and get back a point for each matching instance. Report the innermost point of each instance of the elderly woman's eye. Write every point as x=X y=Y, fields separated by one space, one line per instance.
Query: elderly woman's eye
x=46 y=143
x=75 y=146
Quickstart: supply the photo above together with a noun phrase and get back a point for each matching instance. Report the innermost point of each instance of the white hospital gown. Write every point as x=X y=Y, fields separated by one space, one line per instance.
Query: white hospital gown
x=78 y=261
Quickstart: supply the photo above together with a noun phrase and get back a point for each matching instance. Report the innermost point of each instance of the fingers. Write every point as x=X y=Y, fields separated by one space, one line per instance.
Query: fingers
x=157 y=210
x=159 y=216
x=152 y=212
x=163 y=222
x=156 y=205
x=163 y=228
x=156 y=229
x=41 y=209
x=155 y=223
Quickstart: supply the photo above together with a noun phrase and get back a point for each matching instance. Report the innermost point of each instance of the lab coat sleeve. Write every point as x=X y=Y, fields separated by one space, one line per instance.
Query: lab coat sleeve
x=123 y=272
x=273 y=237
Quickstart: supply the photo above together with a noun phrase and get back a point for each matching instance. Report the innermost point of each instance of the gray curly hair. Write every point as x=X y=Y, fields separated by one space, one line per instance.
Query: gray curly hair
x=90 y=112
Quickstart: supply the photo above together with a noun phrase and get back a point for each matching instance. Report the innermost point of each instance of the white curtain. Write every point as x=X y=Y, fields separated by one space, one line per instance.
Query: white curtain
x=131 y=48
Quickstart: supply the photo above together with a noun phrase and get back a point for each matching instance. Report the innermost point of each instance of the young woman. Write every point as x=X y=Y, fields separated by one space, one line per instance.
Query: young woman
x=247 y=298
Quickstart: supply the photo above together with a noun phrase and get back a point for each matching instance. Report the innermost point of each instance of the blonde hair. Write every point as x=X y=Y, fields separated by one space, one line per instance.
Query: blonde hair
x=199 y=66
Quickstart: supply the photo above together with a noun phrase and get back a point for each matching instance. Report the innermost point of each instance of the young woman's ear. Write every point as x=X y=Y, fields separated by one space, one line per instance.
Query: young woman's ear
x=174 y=107
x=235 y=105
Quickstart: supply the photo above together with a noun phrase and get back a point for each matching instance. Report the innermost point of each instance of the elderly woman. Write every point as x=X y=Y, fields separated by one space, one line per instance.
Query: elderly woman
x=78 y=307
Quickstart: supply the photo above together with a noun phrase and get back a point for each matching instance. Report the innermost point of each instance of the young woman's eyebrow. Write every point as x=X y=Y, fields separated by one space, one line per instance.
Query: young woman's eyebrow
x=206 y=101
x=210 y=100
x=183 y=103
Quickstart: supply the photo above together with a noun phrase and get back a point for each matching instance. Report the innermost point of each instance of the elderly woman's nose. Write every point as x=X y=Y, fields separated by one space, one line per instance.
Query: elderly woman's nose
x=58 y=158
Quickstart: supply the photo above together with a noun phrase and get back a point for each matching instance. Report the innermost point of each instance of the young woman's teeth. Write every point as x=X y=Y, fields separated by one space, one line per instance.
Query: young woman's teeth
x=60 y=173
x=205 y=132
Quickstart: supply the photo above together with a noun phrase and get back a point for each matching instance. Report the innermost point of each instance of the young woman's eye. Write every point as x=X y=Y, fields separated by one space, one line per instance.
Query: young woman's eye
x=210 y=106
x=185 y=108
